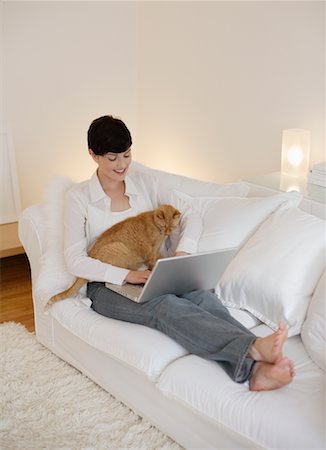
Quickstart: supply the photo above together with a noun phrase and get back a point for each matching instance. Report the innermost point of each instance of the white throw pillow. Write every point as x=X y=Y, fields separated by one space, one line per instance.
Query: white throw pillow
x=275 y=273
x=54 y=276
x=229 y=222
x=313 y=332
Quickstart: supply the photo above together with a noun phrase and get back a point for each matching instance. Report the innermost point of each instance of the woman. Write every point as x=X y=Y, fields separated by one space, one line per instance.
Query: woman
x=196 y=320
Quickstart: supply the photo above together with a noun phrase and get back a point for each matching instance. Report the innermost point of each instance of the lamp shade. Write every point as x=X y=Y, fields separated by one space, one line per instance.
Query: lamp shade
x=295 y=152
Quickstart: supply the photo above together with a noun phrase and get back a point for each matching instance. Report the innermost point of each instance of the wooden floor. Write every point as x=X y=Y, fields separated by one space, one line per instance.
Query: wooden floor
x=16 y=291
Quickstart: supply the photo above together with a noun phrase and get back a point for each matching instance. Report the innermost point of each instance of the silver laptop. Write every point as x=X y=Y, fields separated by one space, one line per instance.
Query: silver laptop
x=178 y=275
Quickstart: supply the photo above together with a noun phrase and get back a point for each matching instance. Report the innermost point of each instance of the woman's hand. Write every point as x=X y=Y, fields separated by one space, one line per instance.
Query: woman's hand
x=180 y=254
x=137 y=276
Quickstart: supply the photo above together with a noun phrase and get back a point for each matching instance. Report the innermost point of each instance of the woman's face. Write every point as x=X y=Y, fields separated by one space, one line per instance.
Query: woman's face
x=113 y=165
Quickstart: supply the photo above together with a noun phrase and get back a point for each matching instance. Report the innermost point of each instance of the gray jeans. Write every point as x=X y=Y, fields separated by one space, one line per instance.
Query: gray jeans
x=197 y=320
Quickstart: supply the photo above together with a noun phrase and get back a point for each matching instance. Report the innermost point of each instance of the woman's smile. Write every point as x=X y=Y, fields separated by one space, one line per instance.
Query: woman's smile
x=120 y=171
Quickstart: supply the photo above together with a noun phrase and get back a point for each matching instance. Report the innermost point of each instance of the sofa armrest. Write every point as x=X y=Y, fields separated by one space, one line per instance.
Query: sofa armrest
x=31 y=231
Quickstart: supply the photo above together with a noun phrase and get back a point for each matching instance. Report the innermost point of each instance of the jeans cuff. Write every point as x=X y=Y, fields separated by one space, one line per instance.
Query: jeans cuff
x=245 y=365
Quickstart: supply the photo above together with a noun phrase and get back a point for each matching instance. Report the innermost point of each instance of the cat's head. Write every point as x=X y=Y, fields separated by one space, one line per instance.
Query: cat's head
x=166 y=218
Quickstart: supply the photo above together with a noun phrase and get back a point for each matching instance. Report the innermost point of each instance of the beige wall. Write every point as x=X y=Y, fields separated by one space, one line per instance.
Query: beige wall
x=205 y=87
x=221 y=80
x=65 y=64
x=1 y=66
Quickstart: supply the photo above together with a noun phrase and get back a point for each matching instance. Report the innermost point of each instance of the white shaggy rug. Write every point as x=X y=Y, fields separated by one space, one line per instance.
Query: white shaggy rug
x=47 y=404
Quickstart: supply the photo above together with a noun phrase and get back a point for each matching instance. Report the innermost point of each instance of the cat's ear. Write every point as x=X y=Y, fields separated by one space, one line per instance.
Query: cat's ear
x=176 y=215
x=176 y=218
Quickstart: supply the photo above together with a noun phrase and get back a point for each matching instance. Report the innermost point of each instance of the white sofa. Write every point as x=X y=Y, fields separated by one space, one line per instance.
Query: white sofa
x=189 y=398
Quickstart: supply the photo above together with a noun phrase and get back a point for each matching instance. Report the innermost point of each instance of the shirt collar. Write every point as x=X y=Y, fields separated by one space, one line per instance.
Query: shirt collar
x=96 y=190
x=131 y=188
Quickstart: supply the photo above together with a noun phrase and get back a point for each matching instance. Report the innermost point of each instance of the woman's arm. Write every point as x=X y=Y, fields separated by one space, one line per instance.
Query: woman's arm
x=76 y=244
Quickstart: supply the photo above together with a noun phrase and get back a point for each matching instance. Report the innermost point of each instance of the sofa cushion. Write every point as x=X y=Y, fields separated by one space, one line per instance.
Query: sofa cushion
x=53 y=276
x=139 y=347
x=265 y=418
x=229 y=222
x=313 y=332
x=275 y=273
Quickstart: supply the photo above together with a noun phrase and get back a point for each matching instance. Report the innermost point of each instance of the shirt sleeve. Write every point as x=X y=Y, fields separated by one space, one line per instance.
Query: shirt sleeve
x=191 y=222
x=75 y=246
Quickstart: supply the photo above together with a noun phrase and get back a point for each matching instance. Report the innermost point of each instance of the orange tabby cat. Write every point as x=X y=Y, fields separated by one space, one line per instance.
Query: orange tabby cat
x=130 y=243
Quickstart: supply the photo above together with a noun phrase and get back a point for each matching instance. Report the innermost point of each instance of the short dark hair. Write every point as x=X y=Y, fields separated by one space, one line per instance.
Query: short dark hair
x=108 y=134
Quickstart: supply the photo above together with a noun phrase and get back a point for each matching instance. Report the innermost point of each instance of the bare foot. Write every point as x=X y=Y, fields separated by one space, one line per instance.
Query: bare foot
x=269 y=348
x=266 y=376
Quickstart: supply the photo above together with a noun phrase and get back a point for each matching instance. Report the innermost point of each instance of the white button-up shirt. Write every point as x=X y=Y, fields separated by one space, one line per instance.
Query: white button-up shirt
x=88 y=213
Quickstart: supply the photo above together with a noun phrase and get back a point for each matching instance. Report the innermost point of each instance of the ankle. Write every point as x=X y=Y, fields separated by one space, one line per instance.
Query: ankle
x=253 y=353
